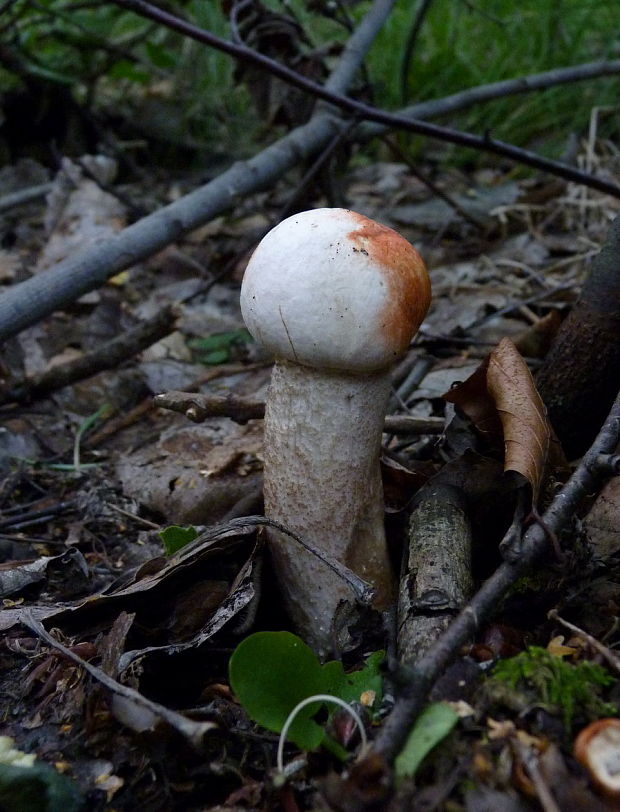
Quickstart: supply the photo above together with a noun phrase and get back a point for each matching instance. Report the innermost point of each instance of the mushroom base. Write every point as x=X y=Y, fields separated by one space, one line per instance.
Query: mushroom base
x=322 y=481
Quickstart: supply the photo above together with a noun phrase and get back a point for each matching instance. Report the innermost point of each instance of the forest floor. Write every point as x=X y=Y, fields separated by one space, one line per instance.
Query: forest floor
x=92 y=471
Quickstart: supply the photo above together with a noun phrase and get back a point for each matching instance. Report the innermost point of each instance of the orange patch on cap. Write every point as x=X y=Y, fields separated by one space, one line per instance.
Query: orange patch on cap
x=405 y=275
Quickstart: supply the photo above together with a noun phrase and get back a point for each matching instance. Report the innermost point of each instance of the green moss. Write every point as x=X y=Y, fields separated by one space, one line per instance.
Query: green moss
x=558 y=684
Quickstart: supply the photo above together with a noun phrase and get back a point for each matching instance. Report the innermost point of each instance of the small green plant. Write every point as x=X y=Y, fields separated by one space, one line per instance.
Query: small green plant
x=272 y=672
x=218 y=347
x=26 y=783
x=430 y=728
x=174 y=537
x=557 y=683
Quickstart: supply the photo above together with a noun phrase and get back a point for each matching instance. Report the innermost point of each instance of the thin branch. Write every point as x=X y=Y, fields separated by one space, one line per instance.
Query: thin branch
x=416 y=26
x=143 y=713
x=419 y=678
x=198 y=408
x=365 y=111
x=401 y=155
x=510 y=87
x=23 y=196
x=233 y=19
x=611 y=658
x=108 y=356
x=362 y=590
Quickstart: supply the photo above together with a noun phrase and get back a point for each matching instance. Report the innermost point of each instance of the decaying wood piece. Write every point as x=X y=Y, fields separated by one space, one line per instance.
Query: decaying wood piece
x=581 y=373
x=436 y=578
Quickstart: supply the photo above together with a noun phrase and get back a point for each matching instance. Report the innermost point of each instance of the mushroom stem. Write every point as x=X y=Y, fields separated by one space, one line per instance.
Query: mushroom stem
x=336 y=502
x=337 y=299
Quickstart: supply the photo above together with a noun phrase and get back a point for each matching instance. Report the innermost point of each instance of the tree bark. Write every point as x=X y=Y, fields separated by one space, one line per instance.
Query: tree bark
x=581 y=373
x=436 y=580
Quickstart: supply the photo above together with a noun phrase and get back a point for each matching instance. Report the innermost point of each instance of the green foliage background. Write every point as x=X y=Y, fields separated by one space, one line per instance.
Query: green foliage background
x=461 y=44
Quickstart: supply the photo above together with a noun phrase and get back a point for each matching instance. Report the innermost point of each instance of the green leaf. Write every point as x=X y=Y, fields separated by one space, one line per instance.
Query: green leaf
x=368 y=678
x=37 y=789
x=271 y=672
x=214 y=358
x=175 y=537
x=160 y=57
x=124 y=69
x=215 y=349
x=220 y=341
x=433 y=725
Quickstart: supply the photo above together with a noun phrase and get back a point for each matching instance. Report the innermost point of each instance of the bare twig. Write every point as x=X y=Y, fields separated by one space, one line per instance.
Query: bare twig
x=419 y=678
x=113 y=425
x=233 y=17
x=23 y=196
x=107 y=356
x=198 y=408
x=434 y=188
x=133 y=517
x=146 y=713
x=30 y=517
x=613 y=660
x=529 y=757
x=508 y=87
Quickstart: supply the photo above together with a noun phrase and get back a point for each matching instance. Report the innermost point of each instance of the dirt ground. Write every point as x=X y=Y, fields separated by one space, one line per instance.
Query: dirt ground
x=142 y=716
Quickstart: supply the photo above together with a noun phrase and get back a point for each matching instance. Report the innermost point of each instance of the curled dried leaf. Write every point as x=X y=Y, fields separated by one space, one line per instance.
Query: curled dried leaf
x=522 y=413
x=501 y=399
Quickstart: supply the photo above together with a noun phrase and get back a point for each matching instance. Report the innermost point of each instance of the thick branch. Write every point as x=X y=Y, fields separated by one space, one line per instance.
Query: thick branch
x=419 y=678
x=365 y=111
x=436 y=580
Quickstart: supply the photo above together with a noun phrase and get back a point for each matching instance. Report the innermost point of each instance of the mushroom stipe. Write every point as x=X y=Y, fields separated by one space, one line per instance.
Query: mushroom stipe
x=337 y=299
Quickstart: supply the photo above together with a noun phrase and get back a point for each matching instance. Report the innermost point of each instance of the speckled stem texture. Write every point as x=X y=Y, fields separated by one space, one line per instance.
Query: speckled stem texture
x=322 y=480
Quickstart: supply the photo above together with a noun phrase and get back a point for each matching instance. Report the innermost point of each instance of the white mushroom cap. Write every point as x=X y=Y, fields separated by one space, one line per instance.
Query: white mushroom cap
x=330 y=288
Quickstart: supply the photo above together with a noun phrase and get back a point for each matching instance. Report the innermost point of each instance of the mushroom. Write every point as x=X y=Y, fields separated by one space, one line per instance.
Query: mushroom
x=336 y=298
x=597 y=747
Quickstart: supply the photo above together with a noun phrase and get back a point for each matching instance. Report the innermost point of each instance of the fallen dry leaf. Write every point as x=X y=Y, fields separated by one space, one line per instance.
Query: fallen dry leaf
x=500 y=398
x=522 y=413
